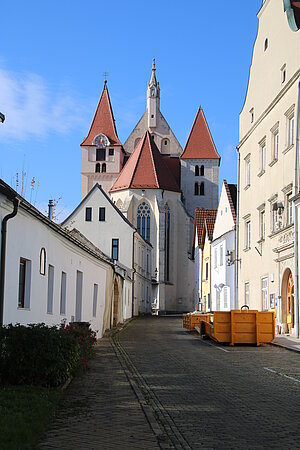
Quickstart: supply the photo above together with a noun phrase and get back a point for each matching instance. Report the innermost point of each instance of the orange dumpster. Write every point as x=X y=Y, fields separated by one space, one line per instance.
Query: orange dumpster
x=190 y=320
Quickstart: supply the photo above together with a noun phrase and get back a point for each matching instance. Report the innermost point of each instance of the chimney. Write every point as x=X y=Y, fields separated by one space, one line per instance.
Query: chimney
x=50 y=209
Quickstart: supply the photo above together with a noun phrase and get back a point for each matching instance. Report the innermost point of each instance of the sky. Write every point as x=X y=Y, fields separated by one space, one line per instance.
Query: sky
x=53 y=55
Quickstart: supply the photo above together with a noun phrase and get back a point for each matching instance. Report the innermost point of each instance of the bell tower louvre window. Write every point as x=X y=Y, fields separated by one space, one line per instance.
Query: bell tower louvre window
x=196 y=171
x=100 y=154
x=97 y=169
x=104 y=167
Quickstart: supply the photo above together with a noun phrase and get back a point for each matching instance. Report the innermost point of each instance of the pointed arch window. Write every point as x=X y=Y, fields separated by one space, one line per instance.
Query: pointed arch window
x=97 y=168
x=43 y=261
x=202 y=171
x=167 y=243
x=103 y=167
x=196 y=189
x=196 y=171
x=202 y=188
x=143 y=220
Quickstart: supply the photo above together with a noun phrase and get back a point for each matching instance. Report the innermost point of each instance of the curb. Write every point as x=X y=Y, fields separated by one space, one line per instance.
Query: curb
x=275 y=344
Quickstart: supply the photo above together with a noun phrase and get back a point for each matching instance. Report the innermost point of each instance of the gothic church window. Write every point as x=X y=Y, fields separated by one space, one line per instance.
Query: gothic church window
x=202 y=171
x=202 y=189
x=97 y=169
x=196 y=171
x=167 y=243
x=196 y=189
x=104 y=167
x=143 y=220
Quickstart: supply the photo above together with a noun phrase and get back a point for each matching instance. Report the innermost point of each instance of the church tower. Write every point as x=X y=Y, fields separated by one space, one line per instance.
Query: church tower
x=102 y=151
x=153 y=99
x=200 y=163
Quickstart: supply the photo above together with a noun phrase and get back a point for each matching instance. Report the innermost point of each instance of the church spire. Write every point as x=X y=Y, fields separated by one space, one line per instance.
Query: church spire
x=153 y=94
x=153 y=81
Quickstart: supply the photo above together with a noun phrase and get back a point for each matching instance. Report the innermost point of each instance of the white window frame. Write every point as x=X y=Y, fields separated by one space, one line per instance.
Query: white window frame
x=247 y=171
x=63 y=293
x=264 y=294
x=262 y=225
x=247 y=293
x=247 y=233
x=289 y=209
x=262 y=156
x=27 y=284
x=221 y=255
x=290 y=128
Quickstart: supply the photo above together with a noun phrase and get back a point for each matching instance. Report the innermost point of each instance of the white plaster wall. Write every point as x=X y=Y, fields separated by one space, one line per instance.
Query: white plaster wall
x=64 y=256
x=102 y=233
x=211 y=184
x=224 y=220
x=265 y=72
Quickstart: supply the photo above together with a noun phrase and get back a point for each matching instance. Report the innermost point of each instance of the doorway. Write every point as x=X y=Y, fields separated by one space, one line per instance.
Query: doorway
x=115 y=304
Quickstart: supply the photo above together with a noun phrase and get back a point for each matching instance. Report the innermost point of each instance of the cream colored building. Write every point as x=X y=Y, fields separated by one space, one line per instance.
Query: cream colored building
x=265 y=258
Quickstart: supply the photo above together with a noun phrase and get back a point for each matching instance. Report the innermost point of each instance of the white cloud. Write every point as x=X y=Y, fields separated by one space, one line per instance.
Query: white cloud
x=32 y=110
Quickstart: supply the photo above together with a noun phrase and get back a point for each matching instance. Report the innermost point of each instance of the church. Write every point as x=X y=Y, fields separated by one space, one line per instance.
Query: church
x=157 y=185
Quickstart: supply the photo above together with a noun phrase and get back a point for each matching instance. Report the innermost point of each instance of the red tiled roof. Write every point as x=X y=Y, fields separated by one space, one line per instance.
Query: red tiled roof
x=146 y=169
x=200 y=144
x=174 y=165
x=204 y=217
x=103 y=121
x=232 y=197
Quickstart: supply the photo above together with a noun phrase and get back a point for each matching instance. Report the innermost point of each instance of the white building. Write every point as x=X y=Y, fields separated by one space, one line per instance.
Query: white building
x=97 y=218
x=268 y=149
x=51 y=275
x=223 y=251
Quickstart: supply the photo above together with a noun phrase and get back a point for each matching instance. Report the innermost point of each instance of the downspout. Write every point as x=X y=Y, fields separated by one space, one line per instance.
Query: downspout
x=296 y=244
x=133 y=275
x=236 y=260
x=3 y=254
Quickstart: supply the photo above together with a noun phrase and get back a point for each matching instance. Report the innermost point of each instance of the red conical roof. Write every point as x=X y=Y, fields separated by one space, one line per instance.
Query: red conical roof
x=200 y=144
x=103 y=121
x=146 y=169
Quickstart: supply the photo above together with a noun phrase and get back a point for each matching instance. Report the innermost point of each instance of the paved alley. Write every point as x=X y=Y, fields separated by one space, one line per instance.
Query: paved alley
x=154 y=385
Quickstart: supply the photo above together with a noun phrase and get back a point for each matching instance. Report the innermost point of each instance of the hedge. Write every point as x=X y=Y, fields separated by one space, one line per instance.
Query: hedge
x=41 y=355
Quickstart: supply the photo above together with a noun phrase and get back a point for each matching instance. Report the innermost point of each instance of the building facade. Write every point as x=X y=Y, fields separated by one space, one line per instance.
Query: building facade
x=268 y=122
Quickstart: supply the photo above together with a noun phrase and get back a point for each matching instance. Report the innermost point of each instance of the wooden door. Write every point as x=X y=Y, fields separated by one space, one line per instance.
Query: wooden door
x=290 y=303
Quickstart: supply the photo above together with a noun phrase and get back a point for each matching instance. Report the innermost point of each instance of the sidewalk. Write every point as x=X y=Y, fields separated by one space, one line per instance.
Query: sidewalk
x=288 y=342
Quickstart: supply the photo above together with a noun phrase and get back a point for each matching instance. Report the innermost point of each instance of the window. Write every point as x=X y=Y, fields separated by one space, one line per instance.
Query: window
x=101 y=214
x=266 y=44
x=264 y=293
x=167 y=243
x=208 y=300
x=275 y=144
x=247 y=171
x=290 y=218
x=290 y=128
x=263 y=225
x=95 y=298
x=43 y=261
x=63 y=292
x=275 y=222
x=248 y=234
x=97 y=168
x=202 y=188
x=143 y=220
x=100 y=154
x=251 y=115
x=78 y=304
x=50 y=289
x=196 y=171
x=221 y=255
x=218 y=300
x=111 y=152
x=88 y=214
x=202 y=171
x=225 y=296
x=115 y=249
x=103 y=169
x=206 y=271
x=262 y=155
x=247 y=294
x=196 y=189
x=216 y=258
x=24 y=283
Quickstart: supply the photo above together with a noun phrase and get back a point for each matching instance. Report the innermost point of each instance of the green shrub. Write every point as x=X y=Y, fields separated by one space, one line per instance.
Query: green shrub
x=37 y=354
x=84 y=336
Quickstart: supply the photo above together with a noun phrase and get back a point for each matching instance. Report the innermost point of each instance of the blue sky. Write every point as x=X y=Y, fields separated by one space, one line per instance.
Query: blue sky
x=52 y=59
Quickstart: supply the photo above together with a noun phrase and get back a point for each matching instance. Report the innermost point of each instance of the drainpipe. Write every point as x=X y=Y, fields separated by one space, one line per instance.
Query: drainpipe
x=236 y=262
x=296 y=191
x=3 y=254
x=133 y=275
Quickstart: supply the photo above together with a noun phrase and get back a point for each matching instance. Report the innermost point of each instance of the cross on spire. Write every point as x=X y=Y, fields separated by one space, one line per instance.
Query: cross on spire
x=105 y=74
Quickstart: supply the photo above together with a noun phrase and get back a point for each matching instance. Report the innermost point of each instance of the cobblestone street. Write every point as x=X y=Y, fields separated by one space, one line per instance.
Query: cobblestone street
x=154 y=385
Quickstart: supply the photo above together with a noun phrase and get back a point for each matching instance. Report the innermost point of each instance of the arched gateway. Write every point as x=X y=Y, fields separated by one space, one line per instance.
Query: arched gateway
x=288 y=302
